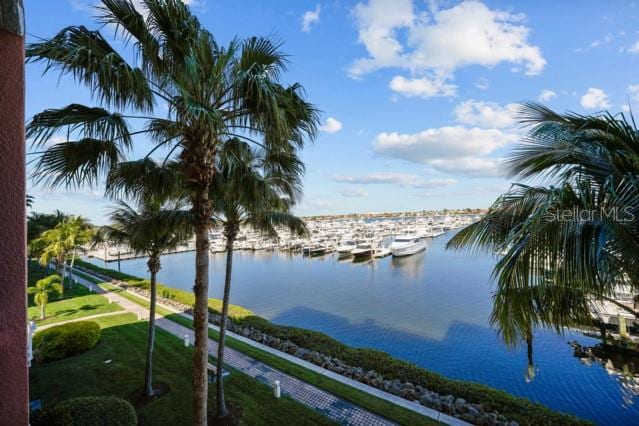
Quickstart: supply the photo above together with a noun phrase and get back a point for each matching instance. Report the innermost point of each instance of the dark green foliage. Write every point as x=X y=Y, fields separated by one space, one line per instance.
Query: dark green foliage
x=89 y=411
x=65 y=340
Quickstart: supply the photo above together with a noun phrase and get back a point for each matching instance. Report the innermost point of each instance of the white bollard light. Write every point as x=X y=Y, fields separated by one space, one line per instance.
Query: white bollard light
x=186 y=340
x=277 y=389
x=139 y=315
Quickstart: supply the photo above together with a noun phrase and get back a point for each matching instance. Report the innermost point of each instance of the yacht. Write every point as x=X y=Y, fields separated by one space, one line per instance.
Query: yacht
x=346 y=247
x=363 y=250
x=407 y=245
x=381 y=252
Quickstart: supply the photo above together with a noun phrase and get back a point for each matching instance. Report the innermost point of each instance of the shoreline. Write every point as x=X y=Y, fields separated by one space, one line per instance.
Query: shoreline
x=519 y=409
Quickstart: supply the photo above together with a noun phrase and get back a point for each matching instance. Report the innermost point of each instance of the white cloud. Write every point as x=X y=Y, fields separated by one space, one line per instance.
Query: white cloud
x=402 y=179
x=470 y=166
x=595 y=99
x=310 y=18
x=485 y=114
x=634 y=48
x=454 y=150
x=332 y=125
x=356 y=192
x=405 y=180
x=442 y=142
x=482 y=83
x=436 y=44
x=633 y=92
x=546 y=95
x=422 y=87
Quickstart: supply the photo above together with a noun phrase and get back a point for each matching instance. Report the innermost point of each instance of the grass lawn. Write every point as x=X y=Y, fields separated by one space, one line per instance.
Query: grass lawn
x=123 y=341
x=77 y=302
x=363 y=399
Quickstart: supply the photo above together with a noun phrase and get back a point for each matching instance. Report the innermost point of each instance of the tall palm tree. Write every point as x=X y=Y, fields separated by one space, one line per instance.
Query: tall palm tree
x=572 y=237
x=151 y=230
x=213 y=93
x=64 y=239
x=42 y=289
x=54 y=246
x=79 y=232
x=250 y=188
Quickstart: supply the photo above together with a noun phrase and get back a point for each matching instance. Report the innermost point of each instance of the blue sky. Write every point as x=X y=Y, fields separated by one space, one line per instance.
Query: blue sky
x=416 y=96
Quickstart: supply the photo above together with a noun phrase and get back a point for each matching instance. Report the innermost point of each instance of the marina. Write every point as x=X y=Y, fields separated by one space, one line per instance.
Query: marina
x=357 y=238
x=431 y=308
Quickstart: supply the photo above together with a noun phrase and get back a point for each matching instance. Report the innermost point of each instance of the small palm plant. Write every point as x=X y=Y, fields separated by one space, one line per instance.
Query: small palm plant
x=42 y=290
x=251 y=188
x=154 y=228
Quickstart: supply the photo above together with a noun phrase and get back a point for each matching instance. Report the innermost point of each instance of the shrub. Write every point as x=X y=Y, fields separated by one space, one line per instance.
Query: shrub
x=89 y=411
x=65 y=340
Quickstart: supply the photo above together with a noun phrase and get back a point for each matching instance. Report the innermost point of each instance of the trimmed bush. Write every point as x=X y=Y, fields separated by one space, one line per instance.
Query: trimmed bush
x=65 y=340
x=89 y=411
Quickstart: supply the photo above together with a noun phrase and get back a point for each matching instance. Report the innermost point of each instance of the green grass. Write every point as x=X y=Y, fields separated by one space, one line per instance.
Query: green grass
x=77 y=302
x=123 y=341
x=363 y=399
x=185 y=297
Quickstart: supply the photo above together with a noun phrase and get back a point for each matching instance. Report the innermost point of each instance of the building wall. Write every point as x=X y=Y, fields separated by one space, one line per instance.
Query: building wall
x=14 y=379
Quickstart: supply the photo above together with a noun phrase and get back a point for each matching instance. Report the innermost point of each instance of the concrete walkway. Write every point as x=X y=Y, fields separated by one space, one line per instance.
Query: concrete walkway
x=333 y=407
x=87 y=318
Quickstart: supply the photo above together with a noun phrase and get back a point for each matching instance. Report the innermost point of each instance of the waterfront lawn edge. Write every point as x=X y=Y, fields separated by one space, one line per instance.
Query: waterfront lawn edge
x=521 y=410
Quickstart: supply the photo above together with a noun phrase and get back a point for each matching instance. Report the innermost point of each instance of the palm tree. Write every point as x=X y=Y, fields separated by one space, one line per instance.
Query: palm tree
x=151 y=230
x=213 y=93
x=66 y=237
x=575 y=239
x=79 y=232
x=50 y=284
x=53 y=246
x=255 y=189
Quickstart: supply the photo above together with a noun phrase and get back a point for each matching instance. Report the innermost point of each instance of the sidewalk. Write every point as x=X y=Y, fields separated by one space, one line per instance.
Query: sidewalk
x=331 y=406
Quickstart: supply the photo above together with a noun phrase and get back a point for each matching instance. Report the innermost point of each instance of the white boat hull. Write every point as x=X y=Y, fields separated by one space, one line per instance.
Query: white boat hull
x=408 y=249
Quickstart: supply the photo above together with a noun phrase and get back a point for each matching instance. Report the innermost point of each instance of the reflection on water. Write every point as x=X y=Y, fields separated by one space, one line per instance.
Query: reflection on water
x=409 y=266
x=431 y=309
x=623 y=366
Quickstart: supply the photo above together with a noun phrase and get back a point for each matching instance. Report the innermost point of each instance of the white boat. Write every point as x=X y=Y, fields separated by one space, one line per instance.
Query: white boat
x=345 y=247
x=381 y=252
x=363 y=250
x=406 y=245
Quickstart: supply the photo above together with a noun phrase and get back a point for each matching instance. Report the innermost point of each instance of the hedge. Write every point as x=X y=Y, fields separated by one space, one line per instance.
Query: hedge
x=89 y=411
x=65 y=340
x=515 y=408
x=181 y=296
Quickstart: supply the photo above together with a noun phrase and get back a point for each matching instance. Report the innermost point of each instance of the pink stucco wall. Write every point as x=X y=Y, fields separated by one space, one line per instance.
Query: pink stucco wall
x=14 y=379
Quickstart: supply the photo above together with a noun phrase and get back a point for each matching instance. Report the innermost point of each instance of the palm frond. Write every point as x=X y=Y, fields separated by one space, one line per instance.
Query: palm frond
x=90 y=59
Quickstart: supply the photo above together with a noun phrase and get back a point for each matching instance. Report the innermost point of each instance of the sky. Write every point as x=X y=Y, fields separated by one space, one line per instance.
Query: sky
x=417 y=98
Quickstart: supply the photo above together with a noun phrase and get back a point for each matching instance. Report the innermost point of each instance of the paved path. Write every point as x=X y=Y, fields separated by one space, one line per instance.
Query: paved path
x=87 y=318
x=333 y=407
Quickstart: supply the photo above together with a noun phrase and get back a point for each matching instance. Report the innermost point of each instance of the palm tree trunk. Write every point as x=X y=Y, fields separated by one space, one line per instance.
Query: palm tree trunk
x=42 y=311
x=72 y=262
x=219 y=382
x=202 y=212
x=154 y=267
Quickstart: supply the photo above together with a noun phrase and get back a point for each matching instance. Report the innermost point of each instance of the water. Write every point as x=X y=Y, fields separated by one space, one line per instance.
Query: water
x=431 y=309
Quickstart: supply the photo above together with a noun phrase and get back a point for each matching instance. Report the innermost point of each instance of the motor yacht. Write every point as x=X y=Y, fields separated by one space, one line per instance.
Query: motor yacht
x=406 y=245
x=363 y=250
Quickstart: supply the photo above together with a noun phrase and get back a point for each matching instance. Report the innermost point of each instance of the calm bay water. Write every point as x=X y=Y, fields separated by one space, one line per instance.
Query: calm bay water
x=431 y=309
